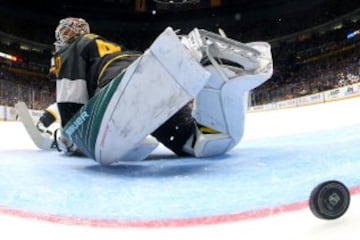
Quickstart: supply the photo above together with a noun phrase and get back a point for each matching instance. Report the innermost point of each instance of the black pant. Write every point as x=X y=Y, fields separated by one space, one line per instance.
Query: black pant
x=176 y=130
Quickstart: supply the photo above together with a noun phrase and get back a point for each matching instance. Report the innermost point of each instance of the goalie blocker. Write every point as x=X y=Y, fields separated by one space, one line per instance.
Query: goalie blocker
x=117 y=123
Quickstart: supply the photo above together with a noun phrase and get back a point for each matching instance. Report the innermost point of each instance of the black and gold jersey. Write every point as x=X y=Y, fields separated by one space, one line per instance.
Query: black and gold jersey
x=88 y=63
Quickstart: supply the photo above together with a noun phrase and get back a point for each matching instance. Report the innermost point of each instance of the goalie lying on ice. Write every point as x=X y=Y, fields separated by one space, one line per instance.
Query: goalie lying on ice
x=187 y=92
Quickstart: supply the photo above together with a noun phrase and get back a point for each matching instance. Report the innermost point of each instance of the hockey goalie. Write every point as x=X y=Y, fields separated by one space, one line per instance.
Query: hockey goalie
x=188 y=92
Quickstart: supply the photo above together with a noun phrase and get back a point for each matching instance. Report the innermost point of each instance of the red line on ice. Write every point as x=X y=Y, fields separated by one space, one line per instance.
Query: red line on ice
x=210 y=220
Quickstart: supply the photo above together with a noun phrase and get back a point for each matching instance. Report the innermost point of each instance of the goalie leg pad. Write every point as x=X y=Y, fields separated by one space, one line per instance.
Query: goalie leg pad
x=222 y=104
x=222 y=109
x=114 y=125
x=141 y=150
x=207 y=145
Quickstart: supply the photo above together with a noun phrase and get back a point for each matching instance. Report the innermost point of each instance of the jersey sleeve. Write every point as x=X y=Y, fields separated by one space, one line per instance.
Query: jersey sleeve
x=71 y=83
x=75 y=83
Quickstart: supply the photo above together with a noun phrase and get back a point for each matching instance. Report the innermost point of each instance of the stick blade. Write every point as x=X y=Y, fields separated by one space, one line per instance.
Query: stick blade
x=42 y=141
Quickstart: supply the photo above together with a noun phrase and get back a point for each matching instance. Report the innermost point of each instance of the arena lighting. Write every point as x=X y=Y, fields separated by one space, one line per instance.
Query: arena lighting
x=353 y=34
x=9 y=57
x=176 y=1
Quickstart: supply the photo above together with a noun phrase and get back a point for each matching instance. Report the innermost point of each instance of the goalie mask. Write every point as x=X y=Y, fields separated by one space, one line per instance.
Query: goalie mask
x=70 y=29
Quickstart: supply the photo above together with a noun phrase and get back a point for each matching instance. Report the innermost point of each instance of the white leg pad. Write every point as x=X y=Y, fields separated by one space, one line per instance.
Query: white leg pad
x=207 y=145
x=223 y=102
x=153 y=88
x=142 y=149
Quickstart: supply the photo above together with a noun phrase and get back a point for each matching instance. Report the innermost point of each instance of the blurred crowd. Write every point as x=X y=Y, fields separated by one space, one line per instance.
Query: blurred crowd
x=314 y=63
x=307 y=63
x=19 y=85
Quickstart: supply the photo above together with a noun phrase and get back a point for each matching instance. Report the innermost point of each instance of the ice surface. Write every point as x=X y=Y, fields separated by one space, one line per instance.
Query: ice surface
x=259 y=190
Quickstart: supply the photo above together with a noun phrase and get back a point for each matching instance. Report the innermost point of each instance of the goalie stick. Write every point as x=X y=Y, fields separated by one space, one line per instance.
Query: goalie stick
x=41 y=140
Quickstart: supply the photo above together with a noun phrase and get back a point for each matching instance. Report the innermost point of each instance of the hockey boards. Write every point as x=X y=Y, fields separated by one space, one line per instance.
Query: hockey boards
x=42 y=141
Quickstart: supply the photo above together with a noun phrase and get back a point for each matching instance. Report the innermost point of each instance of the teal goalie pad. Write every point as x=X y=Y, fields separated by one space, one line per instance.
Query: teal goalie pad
x=116 y=123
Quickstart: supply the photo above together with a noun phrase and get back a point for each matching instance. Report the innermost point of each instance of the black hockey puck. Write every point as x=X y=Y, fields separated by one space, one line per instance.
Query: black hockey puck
x=329 y=200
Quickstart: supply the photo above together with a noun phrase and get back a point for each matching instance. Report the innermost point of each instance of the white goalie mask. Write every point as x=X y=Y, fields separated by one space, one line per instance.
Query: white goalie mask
x=70 y=29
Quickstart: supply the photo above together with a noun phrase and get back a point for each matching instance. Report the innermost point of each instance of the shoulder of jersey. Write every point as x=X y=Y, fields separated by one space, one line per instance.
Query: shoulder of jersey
x=91 y=36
